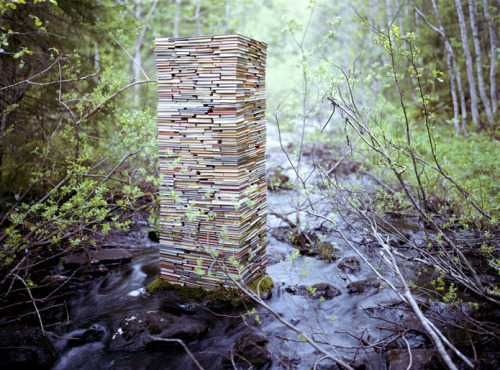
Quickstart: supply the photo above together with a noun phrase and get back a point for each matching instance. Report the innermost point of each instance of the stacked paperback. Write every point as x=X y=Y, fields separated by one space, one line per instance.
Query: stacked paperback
x=211 y=138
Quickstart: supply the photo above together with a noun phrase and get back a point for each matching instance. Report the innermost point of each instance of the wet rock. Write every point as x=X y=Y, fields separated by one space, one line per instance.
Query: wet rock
x=154 y=236
x=250 y=351
x=76 y=260
x=349 y=265
x=111 y=255
x=362 y=286
x=92 y=335
x=262 y=285
x=315 y=291
x=412 y=323
x=276 y=179
x=421 y=358
x=134 y=332
x=97 y=270
x=104 y=256
x=308 y=243
x=26 y=349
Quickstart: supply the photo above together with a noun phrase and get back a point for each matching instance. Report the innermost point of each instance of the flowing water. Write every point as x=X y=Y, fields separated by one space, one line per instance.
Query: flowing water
x=110 y=298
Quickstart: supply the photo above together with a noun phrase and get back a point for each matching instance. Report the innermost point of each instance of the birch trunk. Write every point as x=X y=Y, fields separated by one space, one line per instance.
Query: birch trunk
x=454 y=73
x=177 y=17
x=493 y=62
x=400 y=17
x=197 y=17
x=468 y=63
x=226 y=25
x=479 y=62
x=388 y=12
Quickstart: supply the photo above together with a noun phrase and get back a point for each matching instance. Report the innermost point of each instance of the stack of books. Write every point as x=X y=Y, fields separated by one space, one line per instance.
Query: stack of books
x=211 y=138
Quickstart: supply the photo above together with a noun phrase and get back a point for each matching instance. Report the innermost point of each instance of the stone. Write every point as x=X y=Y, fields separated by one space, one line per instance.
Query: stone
x=91 y=335
x=250 y=351
x=111 y=255
x=363 y=286
x=276 y=179
x=102 y=256
x=134 y=332
x=26 y=349
x=421 y=358
x=349 y=265
x=321 y=290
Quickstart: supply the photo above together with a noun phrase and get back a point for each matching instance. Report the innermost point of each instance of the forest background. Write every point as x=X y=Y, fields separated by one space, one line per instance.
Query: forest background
x=78 y=95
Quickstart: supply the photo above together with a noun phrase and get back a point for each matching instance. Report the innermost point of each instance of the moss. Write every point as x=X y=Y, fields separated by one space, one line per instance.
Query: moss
x=157 y=285
x=46 y=344
x=154 y=329
x=266 y=284
x=219 y=295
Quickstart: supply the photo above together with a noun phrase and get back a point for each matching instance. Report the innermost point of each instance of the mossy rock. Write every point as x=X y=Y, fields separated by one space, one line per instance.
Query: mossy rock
x=220 y=295
x=265 y=285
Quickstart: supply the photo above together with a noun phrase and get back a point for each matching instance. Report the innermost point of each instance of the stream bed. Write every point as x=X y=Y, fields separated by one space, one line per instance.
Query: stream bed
x=341 y=319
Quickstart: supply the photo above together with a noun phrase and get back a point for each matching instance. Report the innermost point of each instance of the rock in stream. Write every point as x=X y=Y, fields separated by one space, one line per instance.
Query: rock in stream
x=135 y=332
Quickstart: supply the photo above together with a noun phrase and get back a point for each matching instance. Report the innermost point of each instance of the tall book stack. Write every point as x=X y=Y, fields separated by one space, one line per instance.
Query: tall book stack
x=211 y=138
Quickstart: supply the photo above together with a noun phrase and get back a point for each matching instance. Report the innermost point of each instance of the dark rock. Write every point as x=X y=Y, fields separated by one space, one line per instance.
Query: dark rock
x=412 y=323
x=321 y=290
x=104 y=256
x=154 y=236
x=349 y=265
x=92 y=335
x=97 y=270
x=250 y=350
x=362 y=286
x=134 y=332
x=25 y=349
x=111 y=255
x=421 y=358
x=276 y=179
x=76 y=260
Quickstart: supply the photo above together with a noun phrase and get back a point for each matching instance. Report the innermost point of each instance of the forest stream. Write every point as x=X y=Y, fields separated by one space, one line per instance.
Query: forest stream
x=352 y=302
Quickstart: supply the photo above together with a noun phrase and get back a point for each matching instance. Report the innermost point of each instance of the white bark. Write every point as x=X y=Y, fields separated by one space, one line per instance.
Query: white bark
x=388 y=11
x=453 y=72
x=197 y=17
x=400 y=16
x=177 y=17
x=468 y=62
x=479 y=62
x=452 y=69
x=493 y=62
x=226 y=24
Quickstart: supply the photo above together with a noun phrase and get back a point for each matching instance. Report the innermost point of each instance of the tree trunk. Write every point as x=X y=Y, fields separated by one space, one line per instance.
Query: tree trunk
x=493 y=58
x=388 y=12
x=177 y=18
x=415 y=20
x=479 y=62
x=454 y=73
x=226 y=24
x=468 y=63
x=197 y=17
x=400 y=16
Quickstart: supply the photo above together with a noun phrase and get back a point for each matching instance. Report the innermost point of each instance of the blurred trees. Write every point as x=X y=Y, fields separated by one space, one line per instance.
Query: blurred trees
x=77 y=93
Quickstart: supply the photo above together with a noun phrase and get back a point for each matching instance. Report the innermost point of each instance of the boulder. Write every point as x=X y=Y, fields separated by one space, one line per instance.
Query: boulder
x=100 y=256
x=421 y=358
x=321 y=290
x=363 y=286
x=134 y=332
x=91 y=335
x=250 y=351
x=276 y=179
x=349 y=265
x=26 y=349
